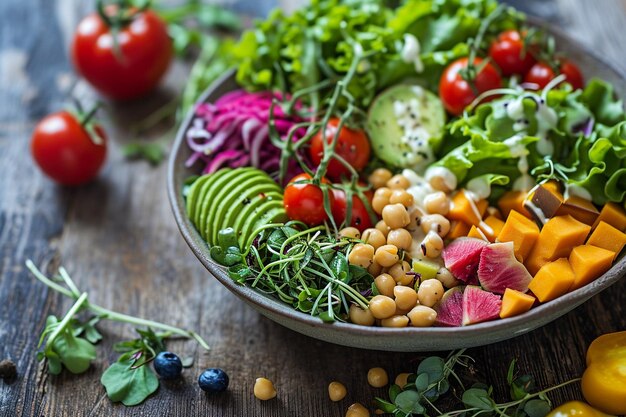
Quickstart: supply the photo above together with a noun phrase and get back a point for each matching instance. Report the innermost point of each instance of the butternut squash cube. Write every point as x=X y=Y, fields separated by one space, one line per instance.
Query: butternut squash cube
x=477 y=233
x=515 y=302
x=464 y=209
x=607 y=237
x=513 y=200
x=553 y=280
x=588 y=263
x=493 y=227
x=457 y=229
x=557 y=238
x=580 y=209
x=520 y=230
x=614 y=215
x=494 y=211
x=548 y=199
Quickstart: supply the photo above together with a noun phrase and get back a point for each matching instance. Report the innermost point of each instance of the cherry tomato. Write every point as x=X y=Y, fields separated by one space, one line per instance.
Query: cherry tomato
x=456 y=93
x=64 y=150
x=352 y=145
x=305 y=202
x=145 y=52
x=541 y=74
x=575 y=409
x=360 y=217
x=507 y=51
x=572 y=74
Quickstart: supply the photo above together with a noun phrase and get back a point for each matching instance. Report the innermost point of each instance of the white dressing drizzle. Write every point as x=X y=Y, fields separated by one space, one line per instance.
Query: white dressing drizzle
x=573 y=190
x=411 y=52
x=479 y=188
x=449 y=179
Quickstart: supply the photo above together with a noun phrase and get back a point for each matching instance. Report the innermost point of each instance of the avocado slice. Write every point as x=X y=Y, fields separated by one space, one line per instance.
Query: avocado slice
x=271 y=211
x=194 y=191
x=251 y=209
x=405 y=124
x=204 y=188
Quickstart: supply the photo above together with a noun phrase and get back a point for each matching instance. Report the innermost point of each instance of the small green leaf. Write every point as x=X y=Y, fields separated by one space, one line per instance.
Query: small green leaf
x=386 y=406
x=537 y=408
x=422 y=382
x=74 y=353
x=394 y=390
x=127 y=385
x=479 y=398
x=151 y=152
x=187 y=362
x=521 y=386
x=433 y=366
x=409 y=402
x=511 y=373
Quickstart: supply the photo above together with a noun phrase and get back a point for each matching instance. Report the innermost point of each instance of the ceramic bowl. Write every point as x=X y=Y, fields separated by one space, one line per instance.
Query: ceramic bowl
x=389 y=339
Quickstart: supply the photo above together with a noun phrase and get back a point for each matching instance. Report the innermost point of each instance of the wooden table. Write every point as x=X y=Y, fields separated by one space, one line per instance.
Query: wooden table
x=118 y=239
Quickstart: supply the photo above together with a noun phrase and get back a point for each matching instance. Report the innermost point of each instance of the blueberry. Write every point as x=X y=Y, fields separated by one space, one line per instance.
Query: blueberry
x=168 y=365
x=213 y=380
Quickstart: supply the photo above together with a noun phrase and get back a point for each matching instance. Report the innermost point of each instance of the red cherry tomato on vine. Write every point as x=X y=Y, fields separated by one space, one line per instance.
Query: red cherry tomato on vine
x=507 y=51
x=65 y=151
x=456 y=93
x=572 y=74
x=305 y=202
x=352 y=145
x=145 y=52
x=360 y=217
x=541 y=74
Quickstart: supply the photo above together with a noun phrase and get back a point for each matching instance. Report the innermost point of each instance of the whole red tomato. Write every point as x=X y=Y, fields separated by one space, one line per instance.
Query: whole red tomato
x=305 y=202
x=572 y=74
x=145 y=52
x=360 y=217
x=456 y=93
x=65 y=151
x=507 y=51
x=352 y=145
x=541 y=74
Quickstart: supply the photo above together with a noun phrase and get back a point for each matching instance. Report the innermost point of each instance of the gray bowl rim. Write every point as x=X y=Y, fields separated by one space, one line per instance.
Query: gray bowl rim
x=462 y=336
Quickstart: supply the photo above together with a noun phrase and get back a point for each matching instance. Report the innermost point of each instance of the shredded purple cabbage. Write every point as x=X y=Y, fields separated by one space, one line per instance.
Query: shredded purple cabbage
x=586 y=128
x=234 y=132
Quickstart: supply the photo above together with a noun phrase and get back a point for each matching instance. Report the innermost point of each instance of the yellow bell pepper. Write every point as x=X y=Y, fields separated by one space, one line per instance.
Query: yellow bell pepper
x=575 y=409
x=604 y=380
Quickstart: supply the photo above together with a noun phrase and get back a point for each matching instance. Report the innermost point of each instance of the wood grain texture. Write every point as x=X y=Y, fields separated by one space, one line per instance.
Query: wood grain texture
x=118 y=239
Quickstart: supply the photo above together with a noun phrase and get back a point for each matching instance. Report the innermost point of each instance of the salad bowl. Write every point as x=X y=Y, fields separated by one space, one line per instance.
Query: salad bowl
x=410 y=339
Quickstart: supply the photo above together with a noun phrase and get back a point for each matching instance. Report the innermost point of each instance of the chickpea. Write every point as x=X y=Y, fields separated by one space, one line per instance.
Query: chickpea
x=382 y=227
x=361 y=255
x=374 y=237
x=377 y=377
x=382 y=307
x=362 y=317
x=422 y=316
x=438 y=183
x=432 y=245
x=398 y=181
x=437 y=203
x=401 y=196
x=385 y=284
x=401 y=311
x=399 y=272
x=446 y=278
x=415 y=214
x=264 y=389
x=435 y=223
x=386 y=255
x=350 y=232
x=402 y=379
x=399 y=320
x=406 y=297
x=374 y=269
x=336 y=391
x=357 y=410
x=379 y=412
x=379 y=177
x=430 y=292
x=381 y=199
x=401 y=238
x=395 y=216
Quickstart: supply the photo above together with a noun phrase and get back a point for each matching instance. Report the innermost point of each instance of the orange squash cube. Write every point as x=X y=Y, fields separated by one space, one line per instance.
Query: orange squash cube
x=466 y=210
x=588 y=263
x=477 y=233
x=515 y=302
x=491 y=227
x=553 y=280
x=580 y=209
x=614 y=215
x=457 y=229
x=607 y=237
x=520 y=230
x=513 y=200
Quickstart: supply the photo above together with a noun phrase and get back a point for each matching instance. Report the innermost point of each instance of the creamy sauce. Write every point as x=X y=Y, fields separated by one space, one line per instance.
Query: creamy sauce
x=547 y=120
x=573 y=190
x=525 y=182
x=411 y=52
x=449 y=179
x=479 y=188
x=414 y=135
x=536 y=211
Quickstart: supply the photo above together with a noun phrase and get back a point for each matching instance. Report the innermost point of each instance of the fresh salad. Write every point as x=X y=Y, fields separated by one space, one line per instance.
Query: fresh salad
x=439 y=163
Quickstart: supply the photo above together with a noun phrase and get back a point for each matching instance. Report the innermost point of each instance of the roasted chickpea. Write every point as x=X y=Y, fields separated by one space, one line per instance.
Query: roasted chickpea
x=386 y=255
x=399 y=272
x=398 y=181
x=382 y=307
x=402 y=197
x=402 y=379
x=361 y=255
x=377 y=377
x=446 y=278
x=401 y=238
x=336 y=391
x=360 y=316
x=357 y=410
x=379 y=177
x=385 y=284
x=382 y=227
x=381 y=199
x=415 y=214
x=437 y=203
x=374 y=269
x=432 y=245
x=395 y=216
x=350 y=232
x=406 y=297
x=430 y=292
x=438 y=183
x=422 y=316
x=435 y=223
x=395 y=321
x=374 y=237
x=264 y=389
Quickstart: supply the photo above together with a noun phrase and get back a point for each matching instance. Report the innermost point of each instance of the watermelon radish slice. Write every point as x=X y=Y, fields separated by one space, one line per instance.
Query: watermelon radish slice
x=479 y=305
x=499 y=269
x=450 y=308
x=462 y=256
